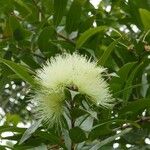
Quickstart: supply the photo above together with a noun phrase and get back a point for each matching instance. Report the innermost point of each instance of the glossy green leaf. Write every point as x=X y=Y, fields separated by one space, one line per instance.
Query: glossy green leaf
x=47 y=34
x=103 y=129
x=42 y=147
x=20 y=70
x=110 y=139
x=29 y=60
x=16 y=28
x=76 y=112
x=3 y=147
x=87 y=34
x=7 y=128
x=12 y=118
x=135 y=106
x=117 y=83
x=100 y=130
x=126 y=93
x=30 y=131
x=145 y=17
x=77 y=135
x=59 y=10
x=22 y=4
x=66 y=137
x=19 y=33
x=73 y=16
x=107 y=53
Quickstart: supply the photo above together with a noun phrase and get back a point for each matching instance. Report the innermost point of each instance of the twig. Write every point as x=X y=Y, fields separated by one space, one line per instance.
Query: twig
x=65 y=38
x=18 y=17
x=39 y=56
x=33 y=53
x=141 y=120
x=130 y=87
x=38 y=8
x=72 y=120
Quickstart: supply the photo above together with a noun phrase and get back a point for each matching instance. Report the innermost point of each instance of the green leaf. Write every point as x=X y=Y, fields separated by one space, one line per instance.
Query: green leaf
x=126 y=93
x=73 y=16
x=48 y=6
x=145 y=17
x=42 y=147
x=59 y=10
x=18 y=32
x=29 y=60
x=77 y=112
x=104 y=129
x=136 y=135
x=30 y=131
x=135 y=106
x=107 y=53
x=117 y=83
x=6 y=128
x=22 y=4
x=50 y=136
x=125 y=70
x=21 y=71
x=3 y=147
x=110 y=139
x=16 y=28
x=100 y=130
x=47 y=34
x=86 y=24
x=87 y=34
x=86 y=123
x=12 y=118
x=77 y=135
x=66 y=137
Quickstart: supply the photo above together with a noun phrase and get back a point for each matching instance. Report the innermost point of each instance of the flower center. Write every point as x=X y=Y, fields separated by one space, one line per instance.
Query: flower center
x=72 y=87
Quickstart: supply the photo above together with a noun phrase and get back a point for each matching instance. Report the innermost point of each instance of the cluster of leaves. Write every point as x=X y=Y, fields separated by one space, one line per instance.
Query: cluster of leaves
x=116 y=35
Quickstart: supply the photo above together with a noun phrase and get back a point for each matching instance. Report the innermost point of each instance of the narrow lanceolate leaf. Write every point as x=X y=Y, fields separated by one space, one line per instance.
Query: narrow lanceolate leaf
x=117 y=83
x=30 y=131
x=104 y=129
x=20 y=70
x=73 y=16
x=59 y=10
x=145 y=18
x=22 y=4
x=135 y=106
x=77 y=135
x=107 y=53
x=17 y=30
x=110 y=139
x=87 y=34
x=126 y=94
x=47 y=34
x=42 y=147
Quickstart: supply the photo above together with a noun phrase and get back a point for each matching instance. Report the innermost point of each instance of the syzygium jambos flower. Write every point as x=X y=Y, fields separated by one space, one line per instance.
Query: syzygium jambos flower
x=65 y=71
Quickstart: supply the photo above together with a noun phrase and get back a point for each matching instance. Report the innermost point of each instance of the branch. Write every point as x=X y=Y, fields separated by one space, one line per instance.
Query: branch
x=65 y=38
x=141 y=120
x=72 y=120
x=36 y=55
x=38 y=8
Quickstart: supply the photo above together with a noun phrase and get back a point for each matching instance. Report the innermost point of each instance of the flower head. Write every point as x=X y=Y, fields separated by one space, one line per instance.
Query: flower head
x=65 y=71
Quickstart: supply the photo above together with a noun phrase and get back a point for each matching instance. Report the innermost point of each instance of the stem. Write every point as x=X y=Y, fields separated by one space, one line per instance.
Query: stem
x=72 y=121
x=38 y=8
x=65 y=38
x=36 y=55
x=141 y=120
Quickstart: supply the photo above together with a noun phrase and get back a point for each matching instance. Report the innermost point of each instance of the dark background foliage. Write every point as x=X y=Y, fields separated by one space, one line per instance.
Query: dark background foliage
x=116 y=34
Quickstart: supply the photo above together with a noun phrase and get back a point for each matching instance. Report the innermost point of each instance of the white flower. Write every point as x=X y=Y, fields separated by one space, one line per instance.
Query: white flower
x=65 y=71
